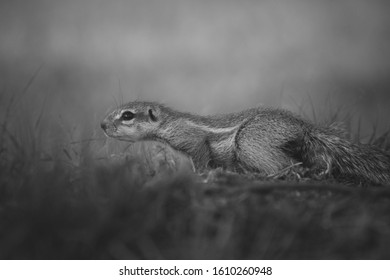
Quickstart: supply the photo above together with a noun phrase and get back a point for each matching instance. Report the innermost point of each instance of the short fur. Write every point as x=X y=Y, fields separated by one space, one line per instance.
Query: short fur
x=260 y=139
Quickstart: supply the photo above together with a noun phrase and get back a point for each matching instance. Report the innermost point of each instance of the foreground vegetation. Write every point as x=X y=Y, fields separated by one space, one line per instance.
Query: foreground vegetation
x=126 y=208
x=62 y=198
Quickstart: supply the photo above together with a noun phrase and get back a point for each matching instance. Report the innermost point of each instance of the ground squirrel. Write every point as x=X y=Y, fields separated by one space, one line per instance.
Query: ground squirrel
x=260 y=139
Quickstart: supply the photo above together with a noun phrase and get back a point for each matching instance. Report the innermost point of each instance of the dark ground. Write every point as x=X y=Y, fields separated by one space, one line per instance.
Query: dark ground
x=131 y=209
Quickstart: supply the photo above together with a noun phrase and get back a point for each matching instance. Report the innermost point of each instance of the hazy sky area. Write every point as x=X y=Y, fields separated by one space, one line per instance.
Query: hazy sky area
x=200 y=56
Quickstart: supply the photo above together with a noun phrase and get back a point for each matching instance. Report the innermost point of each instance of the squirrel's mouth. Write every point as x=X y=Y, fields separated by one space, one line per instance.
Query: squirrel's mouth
x=115 y=133
x=108 y=134
x=120 y=132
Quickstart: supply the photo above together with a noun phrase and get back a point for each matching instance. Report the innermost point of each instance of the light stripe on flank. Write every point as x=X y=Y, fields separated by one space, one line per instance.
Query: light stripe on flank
x=212 y=129
x=224 y=146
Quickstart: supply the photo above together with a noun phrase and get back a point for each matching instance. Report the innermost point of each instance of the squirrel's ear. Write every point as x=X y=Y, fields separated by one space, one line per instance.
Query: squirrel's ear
x=152 y=114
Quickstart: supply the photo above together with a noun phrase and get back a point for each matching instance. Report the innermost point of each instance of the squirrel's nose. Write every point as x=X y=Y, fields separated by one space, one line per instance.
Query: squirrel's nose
x=103 y=125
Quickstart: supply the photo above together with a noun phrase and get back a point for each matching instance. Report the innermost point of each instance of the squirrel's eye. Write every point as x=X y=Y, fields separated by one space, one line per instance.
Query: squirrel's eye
x=127 y=116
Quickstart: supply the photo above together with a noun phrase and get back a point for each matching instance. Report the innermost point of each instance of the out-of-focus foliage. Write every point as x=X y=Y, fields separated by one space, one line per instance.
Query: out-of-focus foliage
x=199 y=56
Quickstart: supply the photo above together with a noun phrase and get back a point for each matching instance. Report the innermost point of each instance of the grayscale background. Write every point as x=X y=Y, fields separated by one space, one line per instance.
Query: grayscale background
x=84 y=56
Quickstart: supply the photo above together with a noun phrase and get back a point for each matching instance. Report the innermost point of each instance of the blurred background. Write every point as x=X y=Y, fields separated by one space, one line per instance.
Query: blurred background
x=66 y=63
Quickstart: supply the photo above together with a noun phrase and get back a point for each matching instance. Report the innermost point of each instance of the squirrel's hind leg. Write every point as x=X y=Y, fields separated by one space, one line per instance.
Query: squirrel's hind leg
x=260 y=154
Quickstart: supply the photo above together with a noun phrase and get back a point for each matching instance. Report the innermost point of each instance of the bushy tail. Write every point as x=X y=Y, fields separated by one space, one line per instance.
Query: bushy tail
x=325 y=149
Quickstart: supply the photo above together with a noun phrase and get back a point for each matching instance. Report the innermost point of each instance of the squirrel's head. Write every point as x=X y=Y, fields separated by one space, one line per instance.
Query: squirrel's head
x=134 y=121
